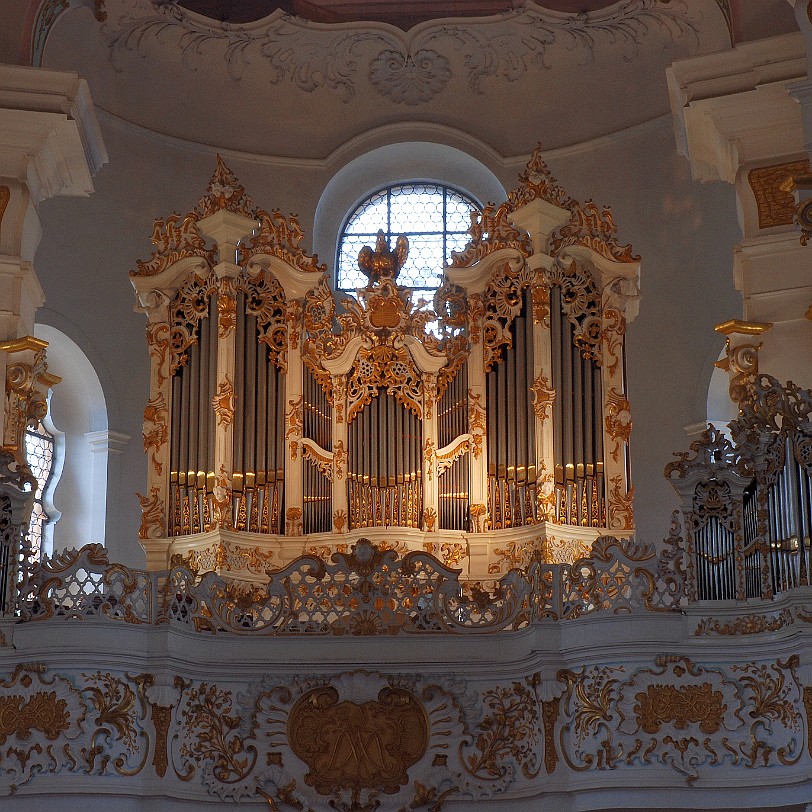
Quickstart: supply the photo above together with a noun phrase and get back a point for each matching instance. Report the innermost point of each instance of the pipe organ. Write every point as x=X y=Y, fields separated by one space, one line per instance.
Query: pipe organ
x=281 y=420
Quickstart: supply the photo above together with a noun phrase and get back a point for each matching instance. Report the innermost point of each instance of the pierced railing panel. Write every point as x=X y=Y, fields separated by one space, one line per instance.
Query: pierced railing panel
x=77 y=584
x=370 y=591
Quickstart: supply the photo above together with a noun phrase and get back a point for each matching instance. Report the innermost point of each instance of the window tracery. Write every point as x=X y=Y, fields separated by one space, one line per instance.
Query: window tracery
x=40 y=452
x=435 y=219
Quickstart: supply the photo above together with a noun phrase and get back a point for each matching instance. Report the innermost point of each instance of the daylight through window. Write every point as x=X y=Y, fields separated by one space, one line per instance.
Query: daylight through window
x=39 y=452
x=434 y=217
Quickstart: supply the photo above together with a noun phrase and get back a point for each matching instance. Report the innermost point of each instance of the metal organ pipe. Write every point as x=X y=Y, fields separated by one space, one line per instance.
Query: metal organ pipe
x=250 y=438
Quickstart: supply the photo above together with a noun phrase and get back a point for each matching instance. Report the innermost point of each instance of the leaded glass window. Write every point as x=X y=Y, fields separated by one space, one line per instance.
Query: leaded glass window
x=39 y=452
x=434 y=217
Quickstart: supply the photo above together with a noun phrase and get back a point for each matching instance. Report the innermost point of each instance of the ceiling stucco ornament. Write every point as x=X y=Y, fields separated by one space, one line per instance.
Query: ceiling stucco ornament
x=406 y=67
x=409 y=79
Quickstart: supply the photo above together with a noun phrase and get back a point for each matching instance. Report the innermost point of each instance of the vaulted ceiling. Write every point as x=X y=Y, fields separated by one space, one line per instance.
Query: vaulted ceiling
x=262 y=76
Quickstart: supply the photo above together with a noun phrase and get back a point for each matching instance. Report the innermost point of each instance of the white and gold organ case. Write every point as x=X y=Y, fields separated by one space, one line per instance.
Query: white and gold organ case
x=285 y=418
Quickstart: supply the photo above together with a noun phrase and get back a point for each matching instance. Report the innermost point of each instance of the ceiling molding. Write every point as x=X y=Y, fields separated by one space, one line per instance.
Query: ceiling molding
x=407 y=68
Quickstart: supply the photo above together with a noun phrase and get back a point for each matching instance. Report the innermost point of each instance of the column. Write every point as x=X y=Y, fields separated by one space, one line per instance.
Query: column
x=50 y=144
x=744 y=116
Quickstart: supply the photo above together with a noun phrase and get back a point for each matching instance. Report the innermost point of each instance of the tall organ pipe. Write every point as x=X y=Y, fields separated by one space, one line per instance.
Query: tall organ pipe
x=239 y=388
x=250 y=438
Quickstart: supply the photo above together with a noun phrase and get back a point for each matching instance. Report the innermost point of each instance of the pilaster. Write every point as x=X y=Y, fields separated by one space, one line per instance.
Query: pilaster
x=745 y=116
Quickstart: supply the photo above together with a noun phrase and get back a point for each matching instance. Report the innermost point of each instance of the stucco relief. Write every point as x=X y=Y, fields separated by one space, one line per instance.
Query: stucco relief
x=683 y=715
x=407 y=68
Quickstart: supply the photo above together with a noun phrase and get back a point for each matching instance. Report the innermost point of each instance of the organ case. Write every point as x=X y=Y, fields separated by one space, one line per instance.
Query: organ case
x=280 y=421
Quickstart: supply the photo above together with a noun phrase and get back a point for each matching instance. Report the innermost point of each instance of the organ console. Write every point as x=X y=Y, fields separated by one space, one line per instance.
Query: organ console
x=490 y=429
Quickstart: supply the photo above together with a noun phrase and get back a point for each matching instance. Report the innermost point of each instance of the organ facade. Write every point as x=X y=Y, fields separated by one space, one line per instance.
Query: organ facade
x=285 y=418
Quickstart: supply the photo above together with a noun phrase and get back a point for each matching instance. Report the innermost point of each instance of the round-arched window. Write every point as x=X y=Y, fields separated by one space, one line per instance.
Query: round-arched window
x=434 y=217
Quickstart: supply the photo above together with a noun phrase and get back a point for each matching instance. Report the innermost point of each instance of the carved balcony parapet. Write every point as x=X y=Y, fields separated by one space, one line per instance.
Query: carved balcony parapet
x=368 y=591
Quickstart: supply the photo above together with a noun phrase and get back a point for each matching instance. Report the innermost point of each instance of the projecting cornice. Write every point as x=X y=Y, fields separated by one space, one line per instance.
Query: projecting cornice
x=734 y=107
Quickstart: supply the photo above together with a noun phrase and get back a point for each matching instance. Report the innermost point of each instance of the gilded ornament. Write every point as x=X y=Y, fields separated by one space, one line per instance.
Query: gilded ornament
x=510 y=729
x=776 y=206
x=430 y=519
x=188 y=307
x=339 y=460
x=281 y=236
x=226 y=312
x=503 y=301
x=681 y=705
x=294 y=419
x=430 y=457
x=26 y=394
x=221 y=496
x=293 y=317
x=158 y=345
x=224 y=192
x=382 y=263
x=208 y=728
x=265 y=299
x=156 y=431
x=152 y=515
x=490 y=230
x=340 y=520
x=387 y=367
x=224 y=402
x=161 y=720
x=593 y=228
x=621 y=505
x=745 y=624
x=476 y=422
x=540 y=301
x=453 y=553
x=293 y=521
x=537 y=183
x=479 y=518
x=614 y=330
x=172 y=243
x=369 y=745
x=324 y=462
x=543 y=397
x=549 y=716
x=618 y=420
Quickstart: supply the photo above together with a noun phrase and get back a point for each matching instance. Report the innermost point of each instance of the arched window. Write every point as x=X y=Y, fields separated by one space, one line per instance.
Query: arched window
x=433 y=216
x=40 y=452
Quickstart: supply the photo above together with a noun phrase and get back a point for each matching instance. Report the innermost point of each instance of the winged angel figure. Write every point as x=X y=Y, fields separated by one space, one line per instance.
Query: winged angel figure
x=383 y=263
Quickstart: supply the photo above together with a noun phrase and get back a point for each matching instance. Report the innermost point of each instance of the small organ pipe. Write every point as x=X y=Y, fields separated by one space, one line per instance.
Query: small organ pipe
x=203 y=407
x=578 y=412
x=262 y=415
x=239 y=384
x=524 y=394
x=183 y=456
x=567 y=399
x=509 y=417
x=557 y=337
x=192 y=413
x=212 y=417
x=249 y=394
